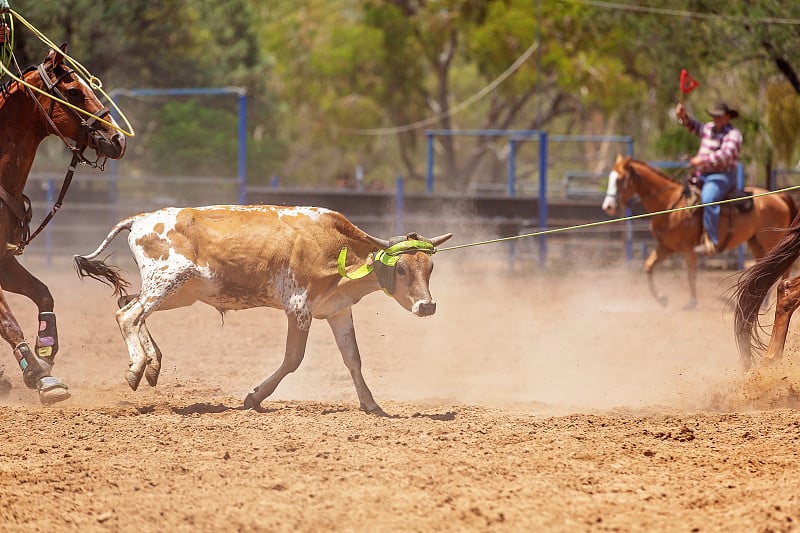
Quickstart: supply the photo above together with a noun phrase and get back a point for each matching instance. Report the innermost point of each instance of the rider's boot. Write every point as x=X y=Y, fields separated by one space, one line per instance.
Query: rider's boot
x=706 y=246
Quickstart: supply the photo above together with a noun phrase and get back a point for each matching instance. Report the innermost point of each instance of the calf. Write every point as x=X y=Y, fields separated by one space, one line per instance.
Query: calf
x=238 y=257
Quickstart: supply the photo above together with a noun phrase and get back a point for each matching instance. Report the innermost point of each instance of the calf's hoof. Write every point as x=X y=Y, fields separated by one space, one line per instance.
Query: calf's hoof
x=151 y=375
x=133 y=379
x=251 y=402
x=52 y=390
x=374 y=410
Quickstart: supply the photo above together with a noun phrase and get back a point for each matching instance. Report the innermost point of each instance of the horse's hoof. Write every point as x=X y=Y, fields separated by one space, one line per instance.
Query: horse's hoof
x=663 y=300
x=5 y=387
x=52 y=390
x=133 y=379
x=151 y=375
x=691 y=305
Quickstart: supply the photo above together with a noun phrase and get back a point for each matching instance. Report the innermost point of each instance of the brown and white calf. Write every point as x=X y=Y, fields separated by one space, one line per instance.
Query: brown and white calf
x=239 y=257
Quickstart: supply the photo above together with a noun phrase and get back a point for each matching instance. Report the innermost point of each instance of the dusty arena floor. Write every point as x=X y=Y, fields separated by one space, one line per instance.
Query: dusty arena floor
x=557 y=401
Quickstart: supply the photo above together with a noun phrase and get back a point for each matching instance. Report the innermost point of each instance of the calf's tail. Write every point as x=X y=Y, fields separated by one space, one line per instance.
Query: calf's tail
x=88 y=266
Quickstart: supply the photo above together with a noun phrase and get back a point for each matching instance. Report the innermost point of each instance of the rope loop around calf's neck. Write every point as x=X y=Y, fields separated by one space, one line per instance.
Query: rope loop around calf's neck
x=388 y=257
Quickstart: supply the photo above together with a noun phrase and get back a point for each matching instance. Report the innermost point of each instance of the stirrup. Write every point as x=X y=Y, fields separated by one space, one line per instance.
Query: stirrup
x=706 y=246
x=52 y=390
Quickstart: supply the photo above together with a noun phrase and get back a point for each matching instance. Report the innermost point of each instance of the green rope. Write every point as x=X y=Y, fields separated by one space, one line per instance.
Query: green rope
x=614 y=220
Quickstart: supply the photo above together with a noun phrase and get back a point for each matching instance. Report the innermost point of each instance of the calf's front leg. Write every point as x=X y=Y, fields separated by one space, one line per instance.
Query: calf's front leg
x=345 y=334
x=296 y=338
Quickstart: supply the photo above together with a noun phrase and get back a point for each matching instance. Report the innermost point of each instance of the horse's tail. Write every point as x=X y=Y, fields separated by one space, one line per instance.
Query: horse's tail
x=87 y=265
x=754 y=285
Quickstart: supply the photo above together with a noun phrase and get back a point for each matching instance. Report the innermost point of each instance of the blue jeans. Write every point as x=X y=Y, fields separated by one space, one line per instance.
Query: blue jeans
x=715 y=187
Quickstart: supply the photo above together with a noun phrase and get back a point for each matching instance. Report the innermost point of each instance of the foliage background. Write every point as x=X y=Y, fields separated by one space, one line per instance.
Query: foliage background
x=328 y=80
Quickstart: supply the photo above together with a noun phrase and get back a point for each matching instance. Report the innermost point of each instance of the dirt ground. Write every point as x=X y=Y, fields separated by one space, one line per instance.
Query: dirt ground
x=566 y=400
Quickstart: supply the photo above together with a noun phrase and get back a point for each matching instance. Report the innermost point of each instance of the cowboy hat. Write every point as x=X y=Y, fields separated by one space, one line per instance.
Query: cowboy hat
x=720 y=109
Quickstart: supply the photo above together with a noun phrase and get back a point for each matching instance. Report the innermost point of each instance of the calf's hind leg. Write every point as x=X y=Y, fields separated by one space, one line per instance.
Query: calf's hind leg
x=130 y=317
x=151 y=349
x=296 y=339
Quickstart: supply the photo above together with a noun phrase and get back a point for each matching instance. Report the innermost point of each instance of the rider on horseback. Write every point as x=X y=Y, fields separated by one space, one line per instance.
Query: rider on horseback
x=715 y=163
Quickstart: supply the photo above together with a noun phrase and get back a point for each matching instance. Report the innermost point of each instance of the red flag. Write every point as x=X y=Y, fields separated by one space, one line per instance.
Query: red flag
x=687 y=82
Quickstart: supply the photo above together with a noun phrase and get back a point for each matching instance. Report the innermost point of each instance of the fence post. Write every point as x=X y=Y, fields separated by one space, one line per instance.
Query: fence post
x=242 y=177
x=429 y=173
x=740 y=186
x=398 y=206
x=48 y=237
x=512 y=167
x=542 y=196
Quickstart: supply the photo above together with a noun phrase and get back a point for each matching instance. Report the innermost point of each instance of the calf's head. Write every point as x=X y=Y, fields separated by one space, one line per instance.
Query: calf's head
x=403 y=266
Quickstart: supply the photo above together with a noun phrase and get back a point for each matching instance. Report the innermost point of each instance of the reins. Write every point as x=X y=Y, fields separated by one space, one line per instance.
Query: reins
x=20 y=247
x=87 y=126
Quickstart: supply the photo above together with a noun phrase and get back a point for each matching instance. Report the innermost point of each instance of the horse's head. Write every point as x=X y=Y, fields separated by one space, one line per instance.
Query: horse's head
x=57 y=79
x=620 y=186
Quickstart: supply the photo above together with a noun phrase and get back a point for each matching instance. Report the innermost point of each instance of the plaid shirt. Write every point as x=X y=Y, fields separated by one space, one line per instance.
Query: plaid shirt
x=719 y=151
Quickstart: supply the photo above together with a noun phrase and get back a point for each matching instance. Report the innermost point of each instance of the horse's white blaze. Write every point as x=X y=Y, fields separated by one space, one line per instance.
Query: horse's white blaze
x=610 y=201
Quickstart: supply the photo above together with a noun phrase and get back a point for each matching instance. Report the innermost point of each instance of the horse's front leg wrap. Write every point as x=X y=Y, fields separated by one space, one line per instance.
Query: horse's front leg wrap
x=47 y=338
x=33 y=368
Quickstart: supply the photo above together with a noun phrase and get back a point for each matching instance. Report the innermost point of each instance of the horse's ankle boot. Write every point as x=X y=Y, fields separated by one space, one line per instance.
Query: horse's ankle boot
x=47 y=339
x=33 y=368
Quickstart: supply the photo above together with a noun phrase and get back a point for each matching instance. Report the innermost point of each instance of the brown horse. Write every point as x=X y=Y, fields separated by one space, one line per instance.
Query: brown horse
x=751 y=291
x=26 y=118
x=680 y=231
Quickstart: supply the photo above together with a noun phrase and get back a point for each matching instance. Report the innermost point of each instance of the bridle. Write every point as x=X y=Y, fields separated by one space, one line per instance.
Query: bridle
x=631 y=174
x=87 y=127
x=22 y=210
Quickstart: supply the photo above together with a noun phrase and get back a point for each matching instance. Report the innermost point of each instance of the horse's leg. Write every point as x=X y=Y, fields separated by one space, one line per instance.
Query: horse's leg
x=691 y=273
x=656 y=256
x=788 y=301
x=36 y=368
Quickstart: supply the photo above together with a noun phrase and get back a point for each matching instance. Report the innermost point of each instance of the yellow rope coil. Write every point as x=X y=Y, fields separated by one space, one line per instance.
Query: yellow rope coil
x=82 y=72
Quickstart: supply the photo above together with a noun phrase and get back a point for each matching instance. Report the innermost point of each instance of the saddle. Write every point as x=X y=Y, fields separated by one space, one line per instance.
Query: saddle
x=694 y=184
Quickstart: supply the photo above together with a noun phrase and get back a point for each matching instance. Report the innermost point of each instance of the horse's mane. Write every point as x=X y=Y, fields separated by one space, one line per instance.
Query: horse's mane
x=6 y=86
x=657 y=171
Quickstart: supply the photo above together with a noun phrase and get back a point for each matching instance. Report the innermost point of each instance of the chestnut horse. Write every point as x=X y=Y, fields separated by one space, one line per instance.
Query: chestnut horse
x=26 y=118
x=679 y=231
x=752 y=289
